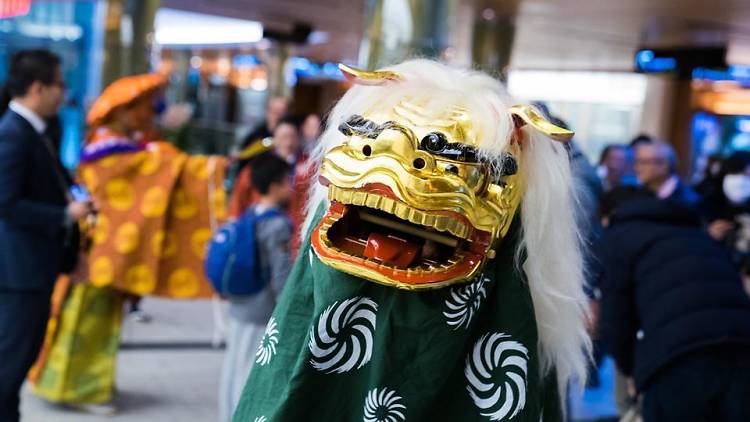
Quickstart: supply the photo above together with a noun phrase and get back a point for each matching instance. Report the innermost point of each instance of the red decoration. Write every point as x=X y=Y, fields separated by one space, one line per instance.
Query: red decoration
x=13 y=8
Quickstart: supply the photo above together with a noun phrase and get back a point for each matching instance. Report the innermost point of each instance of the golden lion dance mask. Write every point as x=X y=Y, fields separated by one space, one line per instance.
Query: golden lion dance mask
x=412 y=202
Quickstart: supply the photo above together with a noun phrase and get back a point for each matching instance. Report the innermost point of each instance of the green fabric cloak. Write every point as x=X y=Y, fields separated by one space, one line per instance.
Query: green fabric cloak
x=340 y=348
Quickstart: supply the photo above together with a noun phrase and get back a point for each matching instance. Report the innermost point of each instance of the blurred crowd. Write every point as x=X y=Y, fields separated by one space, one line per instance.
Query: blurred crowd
x=668 y=264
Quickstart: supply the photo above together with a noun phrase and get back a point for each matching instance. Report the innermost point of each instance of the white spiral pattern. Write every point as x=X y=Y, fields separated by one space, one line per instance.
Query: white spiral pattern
x=464 y=301
x=496 y=374
x=267 y=348
x=342 y=339
x=384 y=406
x=260 y=419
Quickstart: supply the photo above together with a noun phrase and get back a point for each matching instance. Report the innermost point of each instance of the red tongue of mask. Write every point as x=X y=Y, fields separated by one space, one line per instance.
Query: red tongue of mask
x=391 y=250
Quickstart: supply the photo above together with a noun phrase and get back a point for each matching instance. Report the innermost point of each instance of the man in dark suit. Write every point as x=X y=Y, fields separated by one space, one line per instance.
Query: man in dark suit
x=36 y=216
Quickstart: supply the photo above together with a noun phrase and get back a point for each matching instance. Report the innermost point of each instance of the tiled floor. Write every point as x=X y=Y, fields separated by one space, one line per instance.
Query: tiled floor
x=170 y=374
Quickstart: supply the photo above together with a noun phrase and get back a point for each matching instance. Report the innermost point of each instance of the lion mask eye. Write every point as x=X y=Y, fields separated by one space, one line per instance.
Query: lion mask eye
x=437 y=143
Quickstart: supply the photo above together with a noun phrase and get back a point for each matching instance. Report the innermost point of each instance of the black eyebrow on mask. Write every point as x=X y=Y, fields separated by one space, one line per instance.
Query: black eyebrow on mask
x=360 y=126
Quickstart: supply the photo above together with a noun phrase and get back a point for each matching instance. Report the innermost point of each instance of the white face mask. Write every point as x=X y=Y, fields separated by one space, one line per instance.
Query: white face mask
x=737 y=188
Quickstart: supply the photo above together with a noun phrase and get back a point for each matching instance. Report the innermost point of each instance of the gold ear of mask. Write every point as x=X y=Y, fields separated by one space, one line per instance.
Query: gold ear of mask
x=369 y=77
x=523 y=115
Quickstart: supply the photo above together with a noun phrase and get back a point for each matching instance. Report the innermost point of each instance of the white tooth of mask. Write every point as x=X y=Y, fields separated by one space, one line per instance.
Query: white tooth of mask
x=737 y=188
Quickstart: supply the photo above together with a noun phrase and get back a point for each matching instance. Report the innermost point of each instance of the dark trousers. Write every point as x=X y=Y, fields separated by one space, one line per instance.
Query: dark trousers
x=711 y=385
x=23 y=320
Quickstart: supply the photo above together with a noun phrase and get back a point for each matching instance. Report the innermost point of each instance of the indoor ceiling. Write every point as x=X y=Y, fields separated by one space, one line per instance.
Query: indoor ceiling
x=604 y=34
x=339 y=21
x=550 y=34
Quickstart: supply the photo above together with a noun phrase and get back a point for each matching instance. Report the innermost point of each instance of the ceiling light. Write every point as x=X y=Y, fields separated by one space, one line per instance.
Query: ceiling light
x=176 y=27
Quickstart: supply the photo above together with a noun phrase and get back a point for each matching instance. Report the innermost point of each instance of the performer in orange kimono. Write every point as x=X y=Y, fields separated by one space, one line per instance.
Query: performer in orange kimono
x=157 y=206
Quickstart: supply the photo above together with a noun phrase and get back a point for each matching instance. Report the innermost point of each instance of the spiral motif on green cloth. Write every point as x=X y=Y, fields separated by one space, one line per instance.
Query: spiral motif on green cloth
x=496 y=372
x=384 y=405
x=464 y=302
x=267 y=348
x=342 y=340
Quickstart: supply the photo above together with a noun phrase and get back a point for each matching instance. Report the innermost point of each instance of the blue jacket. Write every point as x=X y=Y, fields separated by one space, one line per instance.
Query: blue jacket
x=668 y=288
x=32 y=209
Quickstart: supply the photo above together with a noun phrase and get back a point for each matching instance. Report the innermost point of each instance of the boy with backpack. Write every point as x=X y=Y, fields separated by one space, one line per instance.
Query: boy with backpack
x=249 y=338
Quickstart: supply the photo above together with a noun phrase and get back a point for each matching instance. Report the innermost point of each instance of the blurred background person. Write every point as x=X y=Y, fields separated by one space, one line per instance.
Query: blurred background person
x=248 y=315
x=37 y=217
x=276 y=109
x=77 y=364
x=311 y=129
x=727 y=210
x=641 y=139
x=625 y=398
x=286 y=141
x=656 y=169
x=710 y=179
x=286 y=145
x=614 y=166
x=675 y=315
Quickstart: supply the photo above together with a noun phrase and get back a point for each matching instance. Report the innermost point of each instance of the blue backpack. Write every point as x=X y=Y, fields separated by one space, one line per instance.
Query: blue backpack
x=232 y=262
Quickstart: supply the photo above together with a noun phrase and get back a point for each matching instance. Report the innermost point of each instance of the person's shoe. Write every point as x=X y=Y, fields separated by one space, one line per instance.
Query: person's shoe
x=102 y=409
x=140 y=316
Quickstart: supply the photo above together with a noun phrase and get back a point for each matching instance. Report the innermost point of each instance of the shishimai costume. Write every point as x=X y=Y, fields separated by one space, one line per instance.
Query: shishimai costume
x=440 y=277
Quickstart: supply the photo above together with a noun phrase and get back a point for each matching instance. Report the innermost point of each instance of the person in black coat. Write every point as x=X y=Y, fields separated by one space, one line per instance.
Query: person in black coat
x=674 y=313
x=35 y=217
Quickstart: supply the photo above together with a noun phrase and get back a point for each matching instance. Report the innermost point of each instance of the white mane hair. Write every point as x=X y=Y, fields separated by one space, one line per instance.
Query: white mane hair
x=550 y=242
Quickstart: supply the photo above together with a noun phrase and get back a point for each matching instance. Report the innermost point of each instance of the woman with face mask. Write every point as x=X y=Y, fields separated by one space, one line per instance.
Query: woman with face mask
x=728 y=209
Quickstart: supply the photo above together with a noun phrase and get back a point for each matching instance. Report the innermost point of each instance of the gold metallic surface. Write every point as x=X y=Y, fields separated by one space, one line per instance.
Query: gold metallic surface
x=529 y=115
x=368 y=77
x=488 y=207
x=456 y=197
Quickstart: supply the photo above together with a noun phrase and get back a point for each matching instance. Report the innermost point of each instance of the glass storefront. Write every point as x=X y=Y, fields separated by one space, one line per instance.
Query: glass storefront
x=73 y=31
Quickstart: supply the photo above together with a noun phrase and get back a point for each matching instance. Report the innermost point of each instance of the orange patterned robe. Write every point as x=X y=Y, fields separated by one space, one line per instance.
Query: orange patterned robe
x=157 y=207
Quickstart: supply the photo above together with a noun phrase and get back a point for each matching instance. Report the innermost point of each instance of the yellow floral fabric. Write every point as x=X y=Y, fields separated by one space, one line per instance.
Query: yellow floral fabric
x=80 y=354
x=156 y=209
